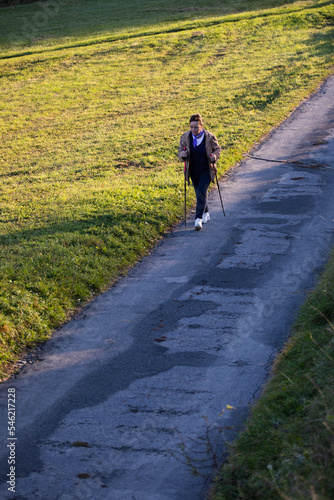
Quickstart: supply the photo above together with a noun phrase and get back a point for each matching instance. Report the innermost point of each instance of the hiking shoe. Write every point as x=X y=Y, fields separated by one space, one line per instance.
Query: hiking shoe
x=206 y=217
x=198 y=224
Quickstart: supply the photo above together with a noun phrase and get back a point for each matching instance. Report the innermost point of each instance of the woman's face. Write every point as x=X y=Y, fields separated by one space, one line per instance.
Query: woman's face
x=196 y=128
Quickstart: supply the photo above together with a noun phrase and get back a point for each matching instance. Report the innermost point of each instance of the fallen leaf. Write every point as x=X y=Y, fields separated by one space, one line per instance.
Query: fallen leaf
x=78 y=444
x=161 y=339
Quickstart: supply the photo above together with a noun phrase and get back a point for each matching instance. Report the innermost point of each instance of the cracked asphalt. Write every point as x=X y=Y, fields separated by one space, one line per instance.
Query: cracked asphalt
x=174 y=354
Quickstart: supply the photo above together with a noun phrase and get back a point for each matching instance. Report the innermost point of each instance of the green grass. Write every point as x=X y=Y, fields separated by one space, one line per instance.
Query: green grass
x=62 y=21
x=89 y=178
x=287 y=450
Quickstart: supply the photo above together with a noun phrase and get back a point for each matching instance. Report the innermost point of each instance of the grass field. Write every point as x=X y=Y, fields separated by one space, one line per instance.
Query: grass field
x=59 y=22
x=89 y=177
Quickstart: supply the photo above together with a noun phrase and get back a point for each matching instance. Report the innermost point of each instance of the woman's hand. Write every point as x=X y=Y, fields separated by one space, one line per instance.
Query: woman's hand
x=184 y=154
x=212 y=160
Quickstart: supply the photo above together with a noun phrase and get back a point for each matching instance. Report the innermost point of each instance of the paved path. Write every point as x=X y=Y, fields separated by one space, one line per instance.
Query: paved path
x=153 y=363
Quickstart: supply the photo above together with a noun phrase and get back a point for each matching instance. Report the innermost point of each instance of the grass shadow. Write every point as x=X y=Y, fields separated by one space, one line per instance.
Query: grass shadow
x=56 y=21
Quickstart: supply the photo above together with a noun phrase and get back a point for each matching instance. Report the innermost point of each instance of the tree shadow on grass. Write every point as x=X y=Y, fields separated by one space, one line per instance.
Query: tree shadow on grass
x=46 y=22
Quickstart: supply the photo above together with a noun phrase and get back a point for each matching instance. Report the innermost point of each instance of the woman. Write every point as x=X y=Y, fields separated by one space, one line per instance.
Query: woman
x=200 y=150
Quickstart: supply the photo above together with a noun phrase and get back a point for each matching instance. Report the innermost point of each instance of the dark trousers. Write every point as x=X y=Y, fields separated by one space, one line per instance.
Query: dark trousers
x=201 y=182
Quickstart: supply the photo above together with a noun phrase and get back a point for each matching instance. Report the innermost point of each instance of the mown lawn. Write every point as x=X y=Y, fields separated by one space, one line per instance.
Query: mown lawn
x=59 y=22
x=89 y=178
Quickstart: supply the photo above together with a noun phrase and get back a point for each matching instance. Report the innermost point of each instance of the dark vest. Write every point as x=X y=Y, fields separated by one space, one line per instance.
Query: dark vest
x=198 y=158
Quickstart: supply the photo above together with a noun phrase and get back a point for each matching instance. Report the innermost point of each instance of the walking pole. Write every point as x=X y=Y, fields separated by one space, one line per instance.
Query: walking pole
x=185 y=192
x=220 y=195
